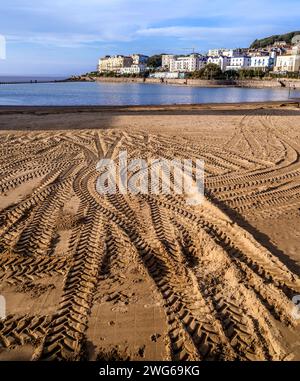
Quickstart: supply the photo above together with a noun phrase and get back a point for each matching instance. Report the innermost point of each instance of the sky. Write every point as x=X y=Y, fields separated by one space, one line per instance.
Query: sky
x=64 y=37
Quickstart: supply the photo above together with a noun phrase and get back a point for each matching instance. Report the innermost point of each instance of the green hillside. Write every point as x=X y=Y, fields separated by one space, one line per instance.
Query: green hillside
x=262 y=43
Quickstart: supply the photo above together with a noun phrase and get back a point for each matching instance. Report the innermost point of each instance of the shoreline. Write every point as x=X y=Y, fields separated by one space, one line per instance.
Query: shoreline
x=164 y=107
x=213 y=83
x=35 y=82
x=53 y=118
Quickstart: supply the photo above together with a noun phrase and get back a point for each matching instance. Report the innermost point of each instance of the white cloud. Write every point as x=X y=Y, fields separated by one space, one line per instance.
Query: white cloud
x=63 y=40
x=205 y=34
x=185 y=32
x=2 y=47
x=75 y=23
x=96 y=27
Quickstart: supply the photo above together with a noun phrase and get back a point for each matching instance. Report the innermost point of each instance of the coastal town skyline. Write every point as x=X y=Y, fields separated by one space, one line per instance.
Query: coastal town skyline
x=278 y=57
x=61 y=39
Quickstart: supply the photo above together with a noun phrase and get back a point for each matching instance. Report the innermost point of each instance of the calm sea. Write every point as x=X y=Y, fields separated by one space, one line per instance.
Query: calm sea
x=96 y=93
x=28 y=78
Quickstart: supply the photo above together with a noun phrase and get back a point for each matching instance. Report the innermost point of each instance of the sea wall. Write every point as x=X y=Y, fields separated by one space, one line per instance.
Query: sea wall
x=264 y=83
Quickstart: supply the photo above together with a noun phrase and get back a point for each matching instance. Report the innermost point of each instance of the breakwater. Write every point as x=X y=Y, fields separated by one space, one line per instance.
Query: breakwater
x=274 y=83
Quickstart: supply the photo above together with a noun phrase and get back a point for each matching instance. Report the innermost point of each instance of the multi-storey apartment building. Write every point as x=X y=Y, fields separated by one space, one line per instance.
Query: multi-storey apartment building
x=221 y=61
x=262 y=62
x=237 y=63
x=114 y=63
x=165 y=60
x=225 y=52
x=133 y=69
x=139 y=59
x=215 y=52
x=287 y=63
x=187 y=63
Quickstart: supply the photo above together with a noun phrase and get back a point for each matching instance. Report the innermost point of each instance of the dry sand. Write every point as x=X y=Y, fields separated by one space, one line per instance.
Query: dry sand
x=147 y=277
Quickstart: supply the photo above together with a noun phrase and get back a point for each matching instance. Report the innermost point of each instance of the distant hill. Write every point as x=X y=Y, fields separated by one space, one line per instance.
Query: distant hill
x=262 y=43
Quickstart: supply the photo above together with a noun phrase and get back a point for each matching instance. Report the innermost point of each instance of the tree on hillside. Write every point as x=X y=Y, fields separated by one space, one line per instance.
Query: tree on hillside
x=252 y=73
x=232 y=74
x=262 y=43
x=211 y=71
x=154 y=61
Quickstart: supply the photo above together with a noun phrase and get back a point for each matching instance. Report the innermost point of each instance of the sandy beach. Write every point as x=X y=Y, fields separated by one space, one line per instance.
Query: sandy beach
x=88 y=276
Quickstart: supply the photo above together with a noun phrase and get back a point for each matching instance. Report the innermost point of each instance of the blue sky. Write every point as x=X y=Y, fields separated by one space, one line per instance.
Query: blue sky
x=63 y=37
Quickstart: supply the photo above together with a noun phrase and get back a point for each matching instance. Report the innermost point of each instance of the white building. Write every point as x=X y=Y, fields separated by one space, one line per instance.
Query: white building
x=287 y=63
x=221 y=61
x=296 y=49
x=262 y=62
x=114 y=63
x=187 y=63
x=280 y=43
x=296 y=39
x=232 y=53
x=139 y=59
x=165 y=60
x=238 y=63
x=215 y=52
x=224 y=52
x=165 y=75
x=133 y=69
